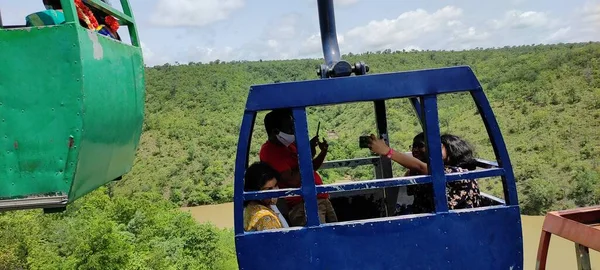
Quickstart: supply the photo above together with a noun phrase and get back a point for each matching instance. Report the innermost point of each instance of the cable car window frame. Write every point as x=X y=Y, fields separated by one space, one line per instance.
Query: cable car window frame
x=421 y=87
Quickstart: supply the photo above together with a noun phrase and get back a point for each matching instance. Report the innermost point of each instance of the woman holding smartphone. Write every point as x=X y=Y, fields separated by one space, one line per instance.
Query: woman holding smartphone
x=457 y=155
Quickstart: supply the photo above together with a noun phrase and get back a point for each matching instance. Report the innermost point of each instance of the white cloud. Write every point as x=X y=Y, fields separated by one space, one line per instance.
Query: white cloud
x=311 y=46
x=282 y=39
x=148 y=54
x=295 y=36
x=516 y=19
x=591 y=13
x=345 y=2
x=586 y=22
x=463 y=33
x=194 y=13
x=151 y=58
x=417 y=29
x=560 y=35
x=407 y=27
x=286 y=27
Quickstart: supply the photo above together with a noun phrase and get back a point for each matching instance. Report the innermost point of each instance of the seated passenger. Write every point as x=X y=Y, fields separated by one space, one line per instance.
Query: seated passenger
x=108 y=25
x=260 y=215
x=457 y=155
x=280 y=152
x=87 y=17
x=53 y=15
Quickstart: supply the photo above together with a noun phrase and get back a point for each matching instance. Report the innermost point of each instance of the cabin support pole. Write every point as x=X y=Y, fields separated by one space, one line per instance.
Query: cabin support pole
x=542 y=254
x=383 y=168
x=331 y=49
x=583 y=257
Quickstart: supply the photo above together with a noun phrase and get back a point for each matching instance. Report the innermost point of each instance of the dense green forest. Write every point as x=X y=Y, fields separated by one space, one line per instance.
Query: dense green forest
x=546 y=99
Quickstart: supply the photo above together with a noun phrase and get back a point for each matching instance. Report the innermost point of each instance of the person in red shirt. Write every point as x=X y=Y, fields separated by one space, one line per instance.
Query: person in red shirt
x=280 y=152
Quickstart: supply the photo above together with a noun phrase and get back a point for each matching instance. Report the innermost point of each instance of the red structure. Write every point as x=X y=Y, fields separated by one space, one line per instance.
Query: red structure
x=579 y=225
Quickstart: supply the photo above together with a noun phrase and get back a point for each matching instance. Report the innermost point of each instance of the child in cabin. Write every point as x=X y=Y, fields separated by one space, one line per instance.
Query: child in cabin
x=261 y=215
x=457 y=155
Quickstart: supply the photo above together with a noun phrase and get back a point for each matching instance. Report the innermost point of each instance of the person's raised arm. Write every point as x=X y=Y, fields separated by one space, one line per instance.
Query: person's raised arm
x=318 y=161
x=378 y=146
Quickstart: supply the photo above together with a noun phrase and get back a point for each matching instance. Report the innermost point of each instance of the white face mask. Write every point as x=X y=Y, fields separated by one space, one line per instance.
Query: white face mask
x=286 y=139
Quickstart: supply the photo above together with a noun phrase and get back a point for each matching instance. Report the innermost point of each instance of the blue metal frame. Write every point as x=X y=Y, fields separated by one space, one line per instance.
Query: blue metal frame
x=370 y=87
x=241 y=163
x=374 y=184
x=434 y=147
x=492 y=235
x=309 y=192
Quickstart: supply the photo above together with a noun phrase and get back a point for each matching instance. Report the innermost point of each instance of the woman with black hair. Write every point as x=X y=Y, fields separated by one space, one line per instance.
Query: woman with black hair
x=259 y=214
x=457 y=155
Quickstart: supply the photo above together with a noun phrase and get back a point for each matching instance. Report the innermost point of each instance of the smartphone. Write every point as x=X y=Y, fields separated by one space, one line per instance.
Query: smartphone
x=318 y=128
x=363 y=141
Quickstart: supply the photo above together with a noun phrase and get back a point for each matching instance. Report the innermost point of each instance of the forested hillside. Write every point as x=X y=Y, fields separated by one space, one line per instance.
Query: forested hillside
x=546 y=99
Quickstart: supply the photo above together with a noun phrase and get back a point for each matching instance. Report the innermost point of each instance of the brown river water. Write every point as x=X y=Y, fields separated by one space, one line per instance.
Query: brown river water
x=561 y=255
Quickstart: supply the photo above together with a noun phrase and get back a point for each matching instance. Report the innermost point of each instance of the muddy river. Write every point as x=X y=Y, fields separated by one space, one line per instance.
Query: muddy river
x=561 y=255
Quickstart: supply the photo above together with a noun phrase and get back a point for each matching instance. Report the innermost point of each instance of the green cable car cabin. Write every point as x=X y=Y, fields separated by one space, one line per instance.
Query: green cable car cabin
x=71 y=107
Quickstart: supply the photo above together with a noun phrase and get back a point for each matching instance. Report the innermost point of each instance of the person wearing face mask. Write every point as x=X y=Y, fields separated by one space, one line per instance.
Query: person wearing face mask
x=281 y=153
x=261 y=215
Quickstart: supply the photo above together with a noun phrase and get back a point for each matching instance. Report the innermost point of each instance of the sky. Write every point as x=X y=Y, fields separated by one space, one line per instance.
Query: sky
x=186 y=31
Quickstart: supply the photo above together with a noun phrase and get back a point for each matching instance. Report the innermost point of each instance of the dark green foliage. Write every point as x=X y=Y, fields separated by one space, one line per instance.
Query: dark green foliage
x=99 y=232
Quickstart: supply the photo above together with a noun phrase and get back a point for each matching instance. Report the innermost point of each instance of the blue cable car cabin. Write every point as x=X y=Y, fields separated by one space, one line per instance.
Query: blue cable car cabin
x=487 y=237
x=440 y=240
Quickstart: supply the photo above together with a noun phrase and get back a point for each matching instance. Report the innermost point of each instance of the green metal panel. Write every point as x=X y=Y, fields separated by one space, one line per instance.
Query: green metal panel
x=114 y=94
x=40 y=104
x=71 y=110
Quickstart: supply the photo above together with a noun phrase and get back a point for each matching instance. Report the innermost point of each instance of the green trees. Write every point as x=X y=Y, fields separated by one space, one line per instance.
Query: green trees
x=99 y=232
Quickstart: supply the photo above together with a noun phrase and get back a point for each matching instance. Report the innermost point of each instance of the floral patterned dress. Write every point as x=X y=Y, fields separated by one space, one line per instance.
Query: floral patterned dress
x=258 y=217
x=460 y=194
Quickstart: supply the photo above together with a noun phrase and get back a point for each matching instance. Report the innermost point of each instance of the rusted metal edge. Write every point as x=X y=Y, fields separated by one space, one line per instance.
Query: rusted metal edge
x=572 y=230
x=576 y=210
x=576 y=225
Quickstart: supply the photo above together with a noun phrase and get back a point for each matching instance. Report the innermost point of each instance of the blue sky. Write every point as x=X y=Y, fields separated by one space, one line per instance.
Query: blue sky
x=205 y=30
